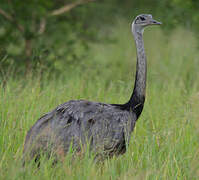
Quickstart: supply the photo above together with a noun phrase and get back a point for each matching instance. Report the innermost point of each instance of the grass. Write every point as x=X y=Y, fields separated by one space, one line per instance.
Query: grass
x=164 y=144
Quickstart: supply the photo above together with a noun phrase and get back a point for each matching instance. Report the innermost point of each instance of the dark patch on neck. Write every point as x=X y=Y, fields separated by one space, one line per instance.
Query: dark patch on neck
x=136 y=103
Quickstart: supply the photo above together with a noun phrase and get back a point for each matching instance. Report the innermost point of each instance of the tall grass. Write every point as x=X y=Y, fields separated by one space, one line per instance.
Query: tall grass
x=164 y=144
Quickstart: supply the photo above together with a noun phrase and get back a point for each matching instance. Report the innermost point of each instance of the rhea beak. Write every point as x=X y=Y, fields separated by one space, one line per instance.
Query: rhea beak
x=154 y=22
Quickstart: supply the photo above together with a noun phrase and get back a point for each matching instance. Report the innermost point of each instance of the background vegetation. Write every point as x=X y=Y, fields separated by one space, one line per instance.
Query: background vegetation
x=88 y=52
x=47 y=35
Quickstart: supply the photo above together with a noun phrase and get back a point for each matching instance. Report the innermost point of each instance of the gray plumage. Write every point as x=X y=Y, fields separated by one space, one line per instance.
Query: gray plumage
x=105 y=127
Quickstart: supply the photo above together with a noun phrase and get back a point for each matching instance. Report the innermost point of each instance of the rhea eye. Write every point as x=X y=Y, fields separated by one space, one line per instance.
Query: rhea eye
x=142 y=18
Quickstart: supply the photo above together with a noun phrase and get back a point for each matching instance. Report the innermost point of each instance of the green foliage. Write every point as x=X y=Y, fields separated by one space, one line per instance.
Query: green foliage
x=32 y=35
x=65 y=38
x=180 y=12
x=164 y=144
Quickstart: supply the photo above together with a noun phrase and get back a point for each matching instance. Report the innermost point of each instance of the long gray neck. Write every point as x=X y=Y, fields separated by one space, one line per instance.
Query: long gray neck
x=137 y=99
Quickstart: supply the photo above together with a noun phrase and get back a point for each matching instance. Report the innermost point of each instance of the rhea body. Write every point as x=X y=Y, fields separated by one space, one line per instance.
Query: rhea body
x=105 y=127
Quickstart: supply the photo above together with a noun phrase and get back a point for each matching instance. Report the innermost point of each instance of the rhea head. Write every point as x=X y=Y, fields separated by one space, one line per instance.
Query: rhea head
x=142 y=21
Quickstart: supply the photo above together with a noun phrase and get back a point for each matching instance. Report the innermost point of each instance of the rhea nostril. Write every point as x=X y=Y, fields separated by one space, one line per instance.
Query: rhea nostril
x=155 y=22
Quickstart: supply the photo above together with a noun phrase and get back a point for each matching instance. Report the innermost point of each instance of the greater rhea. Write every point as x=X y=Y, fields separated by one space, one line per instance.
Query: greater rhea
x=105 y=127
